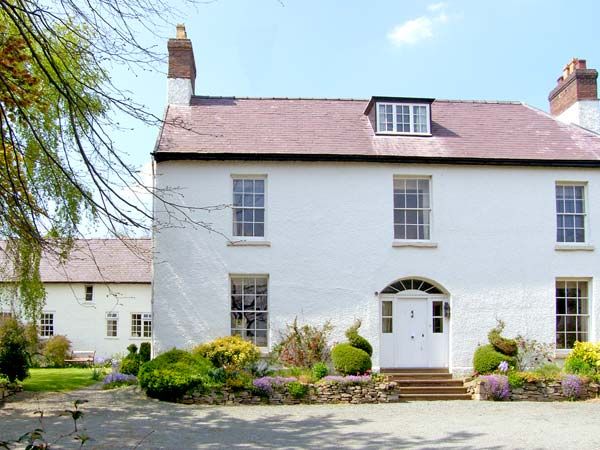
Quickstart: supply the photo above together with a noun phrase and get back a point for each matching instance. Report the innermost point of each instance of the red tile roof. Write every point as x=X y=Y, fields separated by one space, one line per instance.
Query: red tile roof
x=101 y=261
x=339 y=128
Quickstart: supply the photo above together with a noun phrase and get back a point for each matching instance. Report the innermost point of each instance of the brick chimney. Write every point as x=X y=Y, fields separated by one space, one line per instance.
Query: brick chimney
x=182 y=69
x=575 y=98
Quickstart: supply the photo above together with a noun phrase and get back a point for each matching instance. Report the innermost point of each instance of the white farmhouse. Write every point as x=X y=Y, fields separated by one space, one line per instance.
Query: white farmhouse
x=100 y=298
x=428 y=219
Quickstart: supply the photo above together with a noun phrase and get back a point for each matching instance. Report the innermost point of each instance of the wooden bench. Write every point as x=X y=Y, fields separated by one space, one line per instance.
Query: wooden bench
x=82 y=357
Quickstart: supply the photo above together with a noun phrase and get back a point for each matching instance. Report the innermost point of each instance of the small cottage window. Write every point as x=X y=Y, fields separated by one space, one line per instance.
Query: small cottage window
x=249 y=207
x=403 y=118
x=572 y=312
x=249 y=309
x=141 y=325
x=412 y=209
x=570 y=213
x=112 y=324
x=89 y=293
x=47 y=325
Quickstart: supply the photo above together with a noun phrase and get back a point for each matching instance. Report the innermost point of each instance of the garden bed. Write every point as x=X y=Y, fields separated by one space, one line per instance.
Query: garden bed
x=538 y=391
x=324 y=392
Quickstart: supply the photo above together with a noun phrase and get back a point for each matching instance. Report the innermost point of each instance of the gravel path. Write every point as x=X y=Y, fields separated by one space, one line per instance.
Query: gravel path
x=121 y=418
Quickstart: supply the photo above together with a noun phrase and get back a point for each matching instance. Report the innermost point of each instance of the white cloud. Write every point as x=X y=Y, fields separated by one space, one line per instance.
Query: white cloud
x=421 y=28
x=437 y=6
x=411 y=31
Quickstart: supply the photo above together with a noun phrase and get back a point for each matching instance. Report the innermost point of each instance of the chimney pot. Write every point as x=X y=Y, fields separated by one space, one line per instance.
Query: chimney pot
x=181 y=34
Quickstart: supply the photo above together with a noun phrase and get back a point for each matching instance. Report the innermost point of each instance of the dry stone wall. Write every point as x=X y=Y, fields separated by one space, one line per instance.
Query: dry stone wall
x=318 y=393
x=541 y=391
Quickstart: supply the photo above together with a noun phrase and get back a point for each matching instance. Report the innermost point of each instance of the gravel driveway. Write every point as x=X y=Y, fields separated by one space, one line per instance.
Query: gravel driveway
x=121 y=419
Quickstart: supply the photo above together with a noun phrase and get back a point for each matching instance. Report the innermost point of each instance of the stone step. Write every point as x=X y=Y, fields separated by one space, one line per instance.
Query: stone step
x=433 y=390
x=430 y=397
x=387 y=370
x=418 y=376
x=448 y=383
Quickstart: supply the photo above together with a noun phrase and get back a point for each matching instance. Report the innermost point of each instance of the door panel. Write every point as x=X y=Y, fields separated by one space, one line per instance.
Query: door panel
x=411 y=348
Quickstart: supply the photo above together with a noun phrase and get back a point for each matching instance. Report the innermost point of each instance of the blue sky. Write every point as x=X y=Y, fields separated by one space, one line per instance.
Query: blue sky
x=457 y=49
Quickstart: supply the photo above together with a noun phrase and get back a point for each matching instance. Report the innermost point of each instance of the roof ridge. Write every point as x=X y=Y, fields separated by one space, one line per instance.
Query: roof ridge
x=350 y=99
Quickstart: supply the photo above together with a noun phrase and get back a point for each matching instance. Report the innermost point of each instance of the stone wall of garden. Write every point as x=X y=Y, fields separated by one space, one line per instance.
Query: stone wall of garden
x=540 y=391
x=7 y=390
x=318 y=393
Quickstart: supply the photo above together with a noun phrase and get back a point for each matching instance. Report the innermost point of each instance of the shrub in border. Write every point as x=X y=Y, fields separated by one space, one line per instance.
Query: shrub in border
x=229 y=352
x=349 y=360
x=356 y=340
x=14 y=359
x=56 y=350
x=486 y=359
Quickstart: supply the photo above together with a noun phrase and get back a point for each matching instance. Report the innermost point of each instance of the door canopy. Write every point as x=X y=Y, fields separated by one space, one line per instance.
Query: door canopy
x=412 y=284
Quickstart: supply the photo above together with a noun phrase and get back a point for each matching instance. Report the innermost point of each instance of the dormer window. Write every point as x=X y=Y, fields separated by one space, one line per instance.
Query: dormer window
x=403 y=118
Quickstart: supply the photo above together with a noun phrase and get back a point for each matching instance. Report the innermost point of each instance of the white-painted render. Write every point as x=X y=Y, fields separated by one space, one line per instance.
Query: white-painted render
x=84 y=322
x=329 y=249
x=585 y=113
x=179 y=91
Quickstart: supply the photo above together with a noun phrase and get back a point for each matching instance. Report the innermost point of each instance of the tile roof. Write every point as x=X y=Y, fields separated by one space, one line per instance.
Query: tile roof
x=340 y=128
x=101 y=261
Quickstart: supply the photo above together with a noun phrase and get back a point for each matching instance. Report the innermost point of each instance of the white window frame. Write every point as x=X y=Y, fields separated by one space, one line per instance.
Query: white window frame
x=145 y=319
x=267 y=311
x=588 y=316
x=43 y=325
x=585 y=214
x=85 y=292
x=412 y=118
x=430 y=209
x=262 y=177
x=112 y=316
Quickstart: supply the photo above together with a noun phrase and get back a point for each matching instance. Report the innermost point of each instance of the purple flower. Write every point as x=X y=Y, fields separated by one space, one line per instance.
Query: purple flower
x=572 y=387
x=503 y=366
x=266 y=384
x=349 y=379
x=496 y=386
x=116 y=377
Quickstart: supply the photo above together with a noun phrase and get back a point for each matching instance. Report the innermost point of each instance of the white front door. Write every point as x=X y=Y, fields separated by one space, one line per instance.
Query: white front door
x=414 y=332
x=411 y=316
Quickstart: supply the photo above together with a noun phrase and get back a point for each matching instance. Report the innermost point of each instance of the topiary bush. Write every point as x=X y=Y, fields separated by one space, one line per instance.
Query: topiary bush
x=584 y=359
x=501 y=344
x=56 y=350
x=349 y=360
x=320 y=370
x=172 y=374
x=230 y=352
x=130 y=365
x=145 y=352
x=356 y=340
x=486 y=359
x=14 y=359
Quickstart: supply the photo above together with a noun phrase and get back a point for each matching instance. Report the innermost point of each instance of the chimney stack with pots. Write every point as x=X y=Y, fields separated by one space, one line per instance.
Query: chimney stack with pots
x=575 y=97
x=182 y=69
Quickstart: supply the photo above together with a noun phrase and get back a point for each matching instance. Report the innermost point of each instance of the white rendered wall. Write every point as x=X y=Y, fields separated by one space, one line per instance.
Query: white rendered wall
x=84 y=323
x=585 y=113
x=330 y=229
x=179 y=91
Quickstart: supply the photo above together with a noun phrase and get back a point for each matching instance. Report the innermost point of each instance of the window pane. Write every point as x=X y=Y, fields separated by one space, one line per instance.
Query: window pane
x=261 y=321
x=249 y=301
x=583 y=306
x=438 y=325
x=571 y=306
x=236 y=320
x=561 y=306
x=560 y=340
x=248 y=229
x=259 y=215
x=386 y=308
x=259 y=229
x=237 y=199
x=259 y=186
x=248 y=200
x=248 y=186
x=236 y=302
x=248 y=215
x=412 y=232
x=437 y=309
x=238 y=186
x=386 y=325
x=399 y=232
x=261 y=338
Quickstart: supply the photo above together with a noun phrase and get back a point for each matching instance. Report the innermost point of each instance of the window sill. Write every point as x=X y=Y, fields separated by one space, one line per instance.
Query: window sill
x=249 y=243
x=112 y=338
x=421 y=244
x=138 y=338
x=562 y=354
x=574 y=247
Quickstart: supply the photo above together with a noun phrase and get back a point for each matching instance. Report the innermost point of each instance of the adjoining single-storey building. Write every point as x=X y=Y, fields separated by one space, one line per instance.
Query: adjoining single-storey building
x=428 y=219
x=99 y=298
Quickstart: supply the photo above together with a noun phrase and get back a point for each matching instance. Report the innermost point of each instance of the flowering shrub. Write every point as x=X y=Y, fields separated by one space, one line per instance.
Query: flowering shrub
x=496 y=386
x=348 y=379
x=303 y=346
x=572 y=387
x=532 y=354
x=503 y=366
x=230 y=352
x=116 y=379
x=266 y=385
x=584 y=359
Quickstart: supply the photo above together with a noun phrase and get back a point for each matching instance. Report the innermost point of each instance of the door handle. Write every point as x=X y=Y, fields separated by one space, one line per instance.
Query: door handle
x=422 y=335
x=412 y=337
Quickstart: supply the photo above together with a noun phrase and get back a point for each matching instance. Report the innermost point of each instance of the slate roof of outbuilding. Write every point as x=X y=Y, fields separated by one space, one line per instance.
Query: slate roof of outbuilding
x=339 y=127
x=100 y=261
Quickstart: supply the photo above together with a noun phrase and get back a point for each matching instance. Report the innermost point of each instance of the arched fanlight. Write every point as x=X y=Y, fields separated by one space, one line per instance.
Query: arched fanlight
x=411 y=284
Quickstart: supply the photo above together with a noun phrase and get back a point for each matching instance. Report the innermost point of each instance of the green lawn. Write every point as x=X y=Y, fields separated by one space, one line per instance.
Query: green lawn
x=48 y=380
